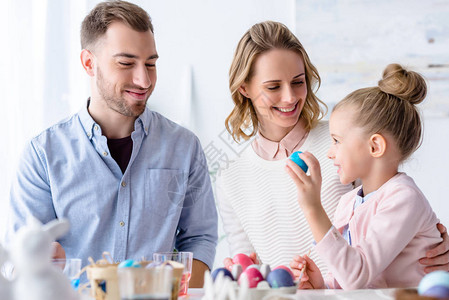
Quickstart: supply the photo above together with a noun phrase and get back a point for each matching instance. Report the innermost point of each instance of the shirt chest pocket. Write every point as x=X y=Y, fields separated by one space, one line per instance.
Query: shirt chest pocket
x=164 y=191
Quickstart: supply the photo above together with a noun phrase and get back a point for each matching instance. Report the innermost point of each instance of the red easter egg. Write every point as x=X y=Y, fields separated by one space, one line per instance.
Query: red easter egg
x=243 y=260
x=254 y=277
x=286 y=269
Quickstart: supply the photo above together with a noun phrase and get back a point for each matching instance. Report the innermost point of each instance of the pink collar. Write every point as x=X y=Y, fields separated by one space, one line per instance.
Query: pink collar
x=270 y=150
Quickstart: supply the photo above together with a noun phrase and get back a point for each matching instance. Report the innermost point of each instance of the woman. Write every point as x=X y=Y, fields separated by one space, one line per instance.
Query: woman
x=272 y=84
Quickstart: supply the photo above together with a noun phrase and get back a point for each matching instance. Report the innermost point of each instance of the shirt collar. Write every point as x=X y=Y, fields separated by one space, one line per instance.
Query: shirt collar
x=290 y=142
x=89 y=124
x=86 y=120
x=144 y=121
x=360 y=199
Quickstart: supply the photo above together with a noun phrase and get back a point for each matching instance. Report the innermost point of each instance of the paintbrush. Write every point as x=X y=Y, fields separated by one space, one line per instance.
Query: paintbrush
x=303 y=269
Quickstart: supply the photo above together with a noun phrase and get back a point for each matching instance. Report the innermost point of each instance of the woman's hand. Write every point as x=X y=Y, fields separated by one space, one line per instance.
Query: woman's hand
x=438 y=257
x=311 y=277
x=228 y=263
x=309 y=187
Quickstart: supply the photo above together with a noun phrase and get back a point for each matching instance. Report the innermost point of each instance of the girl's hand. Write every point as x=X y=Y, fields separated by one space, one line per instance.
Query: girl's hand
x=309 y=194
x=309 y=187
x=311 y=278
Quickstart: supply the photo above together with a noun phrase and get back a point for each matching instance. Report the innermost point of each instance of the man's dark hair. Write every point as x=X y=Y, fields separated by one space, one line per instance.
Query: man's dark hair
x=96 y=23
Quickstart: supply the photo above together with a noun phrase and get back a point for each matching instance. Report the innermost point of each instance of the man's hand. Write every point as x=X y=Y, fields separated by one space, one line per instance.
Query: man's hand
x=58 y=251
x=438 y=257
x=198 y=269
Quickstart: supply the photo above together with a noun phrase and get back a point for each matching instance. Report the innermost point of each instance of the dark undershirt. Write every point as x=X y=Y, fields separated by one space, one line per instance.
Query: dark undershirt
x=121 y=150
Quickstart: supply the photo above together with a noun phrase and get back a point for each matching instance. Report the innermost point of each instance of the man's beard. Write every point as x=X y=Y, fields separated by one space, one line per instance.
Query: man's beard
x=116 y=102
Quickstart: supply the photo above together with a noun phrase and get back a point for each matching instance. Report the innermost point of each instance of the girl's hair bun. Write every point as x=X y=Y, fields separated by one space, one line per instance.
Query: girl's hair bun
x=406 y=85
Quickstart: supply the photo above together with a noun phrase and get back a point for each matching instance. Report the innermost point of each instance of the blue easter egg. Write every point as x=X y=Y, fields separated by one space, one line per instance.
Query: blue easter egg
x=295 y=157
x=437 y=291
x=280 y=278
x=225 y=272
x=129 y=263
x=75 y=283
x=437 y=278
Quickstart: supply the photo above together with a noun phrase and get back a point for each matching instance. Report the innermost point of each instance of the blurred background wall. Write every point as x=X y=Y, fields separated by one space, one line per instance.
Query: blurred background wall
x=350 y=42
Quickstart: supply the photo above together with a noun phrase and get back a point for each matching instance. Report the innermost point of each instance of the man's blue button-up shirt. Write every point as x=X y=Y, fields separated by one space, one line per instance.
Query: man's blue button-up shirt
x=163 y=200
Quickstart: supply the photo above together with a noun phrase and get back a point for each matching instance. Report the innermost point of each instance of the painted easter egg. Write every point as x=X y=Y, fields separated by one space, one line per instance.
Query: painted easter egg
x=286 y=269
x=437 y=291
x=243 y=260
x=435 y=284
x=252 y=275
x=225 y=272
x=280 y=278
x=129 y=263
x=295 y=157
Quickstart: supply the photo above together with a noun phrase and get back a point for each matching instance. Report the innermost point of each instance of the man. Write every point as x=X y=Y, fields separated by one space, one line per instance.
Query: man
x=130 y=181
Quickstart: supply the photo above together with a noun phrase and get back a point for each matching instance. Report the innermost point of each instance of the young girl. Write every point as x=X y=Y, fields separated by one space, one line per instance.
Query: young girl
x=382 y=228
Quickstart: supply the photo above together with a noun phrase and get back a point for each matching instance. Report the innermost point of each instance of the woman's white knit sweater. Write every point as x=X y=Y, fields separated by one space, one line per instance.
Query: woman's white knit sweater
x=257 y=201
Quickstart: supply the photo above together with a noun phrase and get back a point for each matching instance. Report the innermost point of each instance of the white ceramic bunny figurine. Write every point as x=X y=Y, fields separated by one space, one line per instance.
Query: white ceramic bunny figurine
x=31 y=254
x=5 y=284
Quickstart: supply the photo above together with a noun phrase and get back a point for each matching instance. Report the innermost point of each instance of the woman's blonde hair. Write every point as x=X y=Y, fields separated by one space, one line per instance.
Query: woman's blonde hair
x=258 y=39
x=391 y=107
